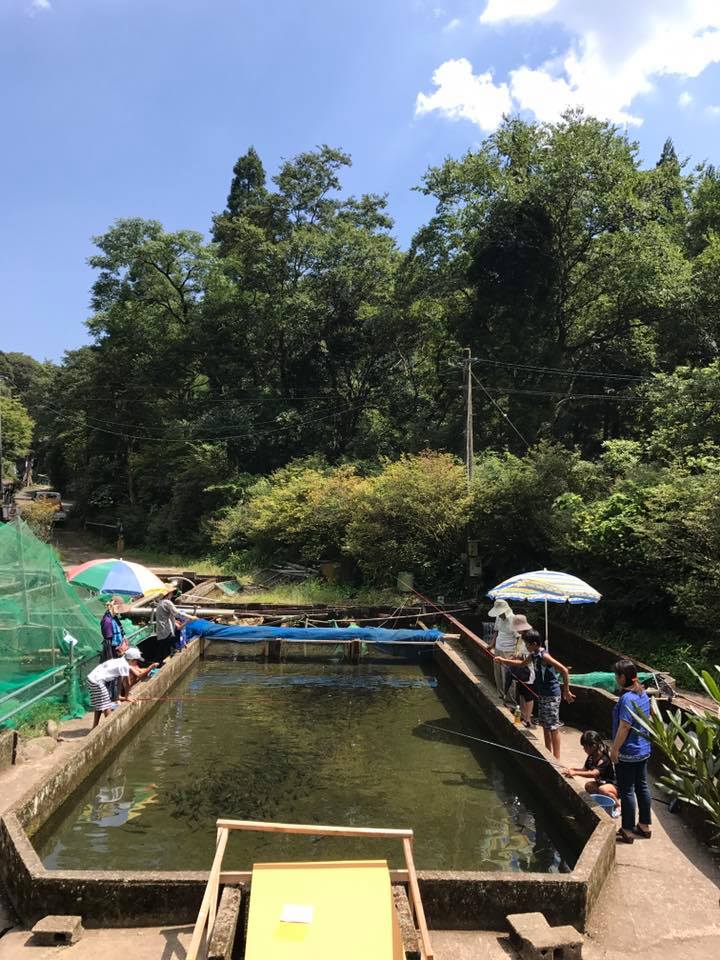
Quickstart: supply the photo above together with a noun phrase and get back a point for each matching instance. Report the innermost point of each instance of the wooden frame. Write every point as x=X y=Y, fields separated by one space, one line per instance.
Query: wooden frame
x=206 y=917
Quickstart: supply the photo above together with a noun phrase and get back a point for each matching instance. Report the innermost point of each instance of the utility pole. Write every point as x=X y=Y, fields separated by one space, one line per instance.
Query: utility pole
x=469 y=446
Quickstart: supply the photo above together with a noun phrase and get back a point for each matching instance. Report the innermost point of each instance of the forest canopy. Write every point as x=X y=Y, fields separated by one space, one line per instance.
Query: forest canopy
x=291 y=384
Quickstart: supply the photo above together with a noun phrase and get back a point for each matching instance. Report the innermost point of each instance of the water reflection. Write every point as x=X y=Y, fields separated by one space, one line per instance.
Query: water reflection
x=312 y=743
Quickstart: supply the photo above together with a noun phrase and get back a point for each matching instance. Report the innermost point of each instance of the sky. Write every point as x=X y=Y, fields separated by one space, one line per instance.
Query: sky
x=120 y=108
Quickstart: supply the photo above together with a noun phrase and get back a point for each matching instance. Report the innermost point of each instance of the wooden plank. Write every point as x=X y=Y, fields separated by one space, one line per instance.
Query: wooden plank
x=416 y=901
x=198 y=937
x=313 y=829
x=245 y=876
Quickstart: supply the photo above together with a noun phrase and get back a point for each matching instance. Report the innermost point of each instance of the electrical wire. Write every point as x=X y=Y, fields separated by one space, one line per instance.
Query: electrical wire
x=558 y=371
x=500 y=409
x=201 y=439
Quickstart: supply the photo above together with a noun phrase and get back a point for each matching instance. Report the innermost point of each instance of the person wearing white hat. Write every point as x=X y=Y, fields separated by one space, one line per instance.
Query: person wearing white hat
x=121 y=668
x=503 y=642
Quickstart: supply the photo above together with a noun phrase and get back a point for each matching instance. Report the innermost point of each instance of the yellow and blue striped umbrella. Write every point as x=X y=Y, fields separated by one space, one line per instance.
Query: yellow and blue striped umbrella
x=548 y=585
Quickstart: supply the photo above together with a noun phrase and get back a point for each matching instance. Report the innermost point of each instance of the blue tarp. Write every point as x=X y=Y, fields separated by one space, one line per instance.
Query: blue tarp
x=218 y=631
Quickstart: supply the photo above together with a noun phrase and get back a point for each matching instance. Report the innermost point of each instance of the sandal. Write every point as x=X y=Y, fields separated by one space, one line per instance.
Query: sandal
x=642 y=834
x=622 y=837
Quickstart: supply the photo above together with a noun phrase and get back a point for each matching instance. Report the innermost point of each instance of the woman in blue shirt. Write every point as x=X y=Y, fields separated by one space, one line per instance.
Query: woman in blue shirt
x=630 y=753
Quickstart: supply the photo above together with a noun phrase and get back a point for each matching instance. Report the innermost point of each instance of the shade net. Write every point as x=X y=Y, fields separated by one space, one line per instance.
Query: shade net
x=37 y=608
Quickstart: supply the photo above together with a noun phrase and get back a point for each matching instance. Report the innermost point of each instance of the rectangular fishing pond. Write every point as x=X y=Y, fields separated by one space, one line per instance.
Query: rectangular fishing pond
x=326 y=743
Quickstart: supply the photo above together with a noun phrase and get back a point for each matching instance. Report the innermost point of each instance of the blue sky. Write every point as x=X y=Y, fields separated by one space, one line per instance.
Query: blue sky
x=116 y=108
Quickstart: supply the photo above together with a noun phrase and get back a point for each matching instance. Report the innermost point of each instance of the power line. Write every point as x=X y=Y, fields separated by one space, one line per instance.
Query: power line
x=499 y=408
x=557 y=371
x=239 y=436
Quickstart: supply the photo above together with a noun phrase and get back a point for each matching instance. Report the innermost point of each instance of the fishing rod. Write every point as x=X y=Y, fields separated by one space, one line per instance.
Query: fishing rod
x=469 y=633
x=493 y=743
x=671 y=804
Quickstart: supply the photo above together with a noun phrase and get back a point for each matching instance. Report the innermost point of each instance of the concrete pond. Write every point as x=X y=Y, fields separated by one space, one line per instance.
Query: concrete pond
x=122 y=832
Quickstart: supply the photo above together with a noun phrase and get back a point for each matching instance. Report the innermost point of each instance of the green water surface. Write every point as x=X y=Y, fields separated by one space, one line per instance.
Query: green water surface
x=306 y=743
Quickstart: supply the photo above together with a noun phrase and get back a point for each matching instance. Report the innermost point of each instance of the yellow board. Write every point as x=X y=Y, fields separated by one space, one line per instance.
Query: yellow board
x=348 y=906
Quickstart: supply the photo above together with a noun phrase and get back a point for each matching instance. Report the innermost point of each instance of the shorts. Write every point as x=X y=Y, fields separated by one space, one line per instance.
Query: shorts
x=549 y=713
x=99 y=696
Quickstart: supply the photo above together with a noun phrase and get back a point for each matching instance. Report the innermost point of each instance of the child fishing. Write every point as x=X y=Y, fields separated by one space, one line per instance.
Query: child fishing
x=598 y=769
x=119 y=669
x=547 y=687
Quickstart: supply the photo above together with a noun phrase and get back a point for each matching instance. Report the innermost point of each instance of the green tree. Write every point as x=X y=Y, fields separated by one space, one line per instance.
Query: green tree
x=17 y=431
x=551 y=236
x=413 y=518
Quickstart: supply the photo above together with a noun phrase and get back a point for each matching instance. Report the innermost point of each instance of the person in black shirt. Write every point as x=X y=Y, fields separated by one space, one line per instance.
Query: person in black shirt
x=598 y=770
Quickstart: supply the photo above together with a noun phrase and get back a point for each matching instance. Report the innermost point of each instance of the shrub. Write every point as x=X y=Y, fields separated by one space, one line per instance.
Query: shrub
x=39 y=515
x=412 y=517
x=300 y=512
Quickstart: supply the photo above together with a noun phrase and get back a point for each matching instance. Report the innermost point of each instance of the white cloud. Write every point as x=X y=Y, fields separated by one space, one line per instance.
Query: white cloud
x=713 y=110
x=685 y=99
x=41 y=5
x=499 y=10
x=462 y=94
x=616 y=51
x=452 y=25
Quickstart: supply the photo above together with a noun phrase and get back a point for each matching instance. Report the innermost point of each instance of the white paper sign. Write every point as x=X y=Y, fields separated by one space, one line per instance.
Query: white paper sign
x=296 y=913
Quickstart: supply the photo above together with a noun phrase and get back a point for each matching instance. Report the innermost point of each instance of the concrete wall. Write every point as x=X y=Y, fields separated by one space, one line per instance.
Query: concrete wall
x=102 y=897
x=565 y=898
x=8 y=746
x=460 y=899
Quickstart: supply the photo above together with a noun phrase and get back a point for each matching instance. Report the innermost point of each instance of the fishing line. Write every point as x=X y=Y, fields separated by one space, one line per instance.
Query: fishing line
x=492 y=743
x=671 y=804
x=184 y=699
x=480 y=643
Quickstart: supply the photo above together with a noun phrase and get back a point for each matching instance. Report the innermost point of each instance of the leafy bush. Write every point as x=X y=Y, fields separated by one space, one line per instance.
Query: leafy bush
x=691 y=748
x=413 y=516
x=300 y=512
x=40 y=516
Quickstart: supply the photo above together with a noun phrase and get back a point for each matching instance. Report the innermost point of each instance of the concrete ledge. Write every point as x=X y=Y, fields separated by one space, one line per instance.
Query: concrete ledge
x=408 y=933
x=102 y=897
x=226 y=924
x=485 y=899
x=8 y=748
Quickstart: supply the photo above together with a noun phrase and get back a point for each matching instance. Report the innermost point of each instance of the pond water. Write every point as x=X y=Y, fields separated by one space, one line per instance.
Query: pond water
x=306 y=743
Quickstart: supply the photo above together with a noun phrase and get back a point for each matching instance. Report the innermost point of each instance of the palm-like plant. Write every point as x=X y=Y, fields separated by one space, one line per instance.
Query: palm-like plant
x=690 y=744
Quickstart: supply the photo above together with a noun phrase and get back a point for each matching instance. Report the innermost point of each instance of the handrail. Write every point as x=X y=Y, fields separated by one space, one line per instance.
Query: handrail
x=48 y=675
x=29 y=703
x=206 y=917
x=33 y=683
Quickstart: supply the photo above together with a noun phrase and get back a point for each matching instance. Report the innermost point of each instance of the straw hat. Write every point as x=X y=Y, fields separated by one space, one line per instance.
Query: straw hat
x=499 y=608
x=520 y=623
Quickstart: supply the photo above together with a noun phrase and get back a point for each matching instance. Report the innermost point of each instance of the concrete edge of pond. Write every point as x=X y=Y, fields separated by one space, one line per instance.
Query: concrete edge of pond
x=459 y=899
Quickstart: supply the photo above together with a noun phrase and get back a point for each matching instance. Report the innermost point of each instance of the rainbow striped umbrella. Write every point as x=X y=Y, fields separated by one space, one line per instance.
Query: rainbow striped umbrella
x=548 y=586
x=117 y=576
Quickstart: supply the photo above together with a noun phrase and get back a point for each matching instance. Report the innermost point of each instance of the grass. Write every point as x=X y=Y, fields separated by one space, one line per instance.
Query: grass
x=32 y=722
x=160 y=558
x=666 y=651
x=312 y=592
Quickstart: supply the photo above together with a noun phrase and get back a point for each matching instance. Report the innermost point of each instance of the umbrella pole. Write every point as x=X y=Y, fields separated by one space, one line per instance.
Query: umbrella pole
x=547 y=639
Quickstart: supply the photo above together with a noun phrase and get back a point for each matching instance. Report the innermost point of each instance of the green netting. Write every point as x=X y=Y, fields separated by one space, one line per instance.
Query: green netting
x=37 y=607
x=603 y=680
